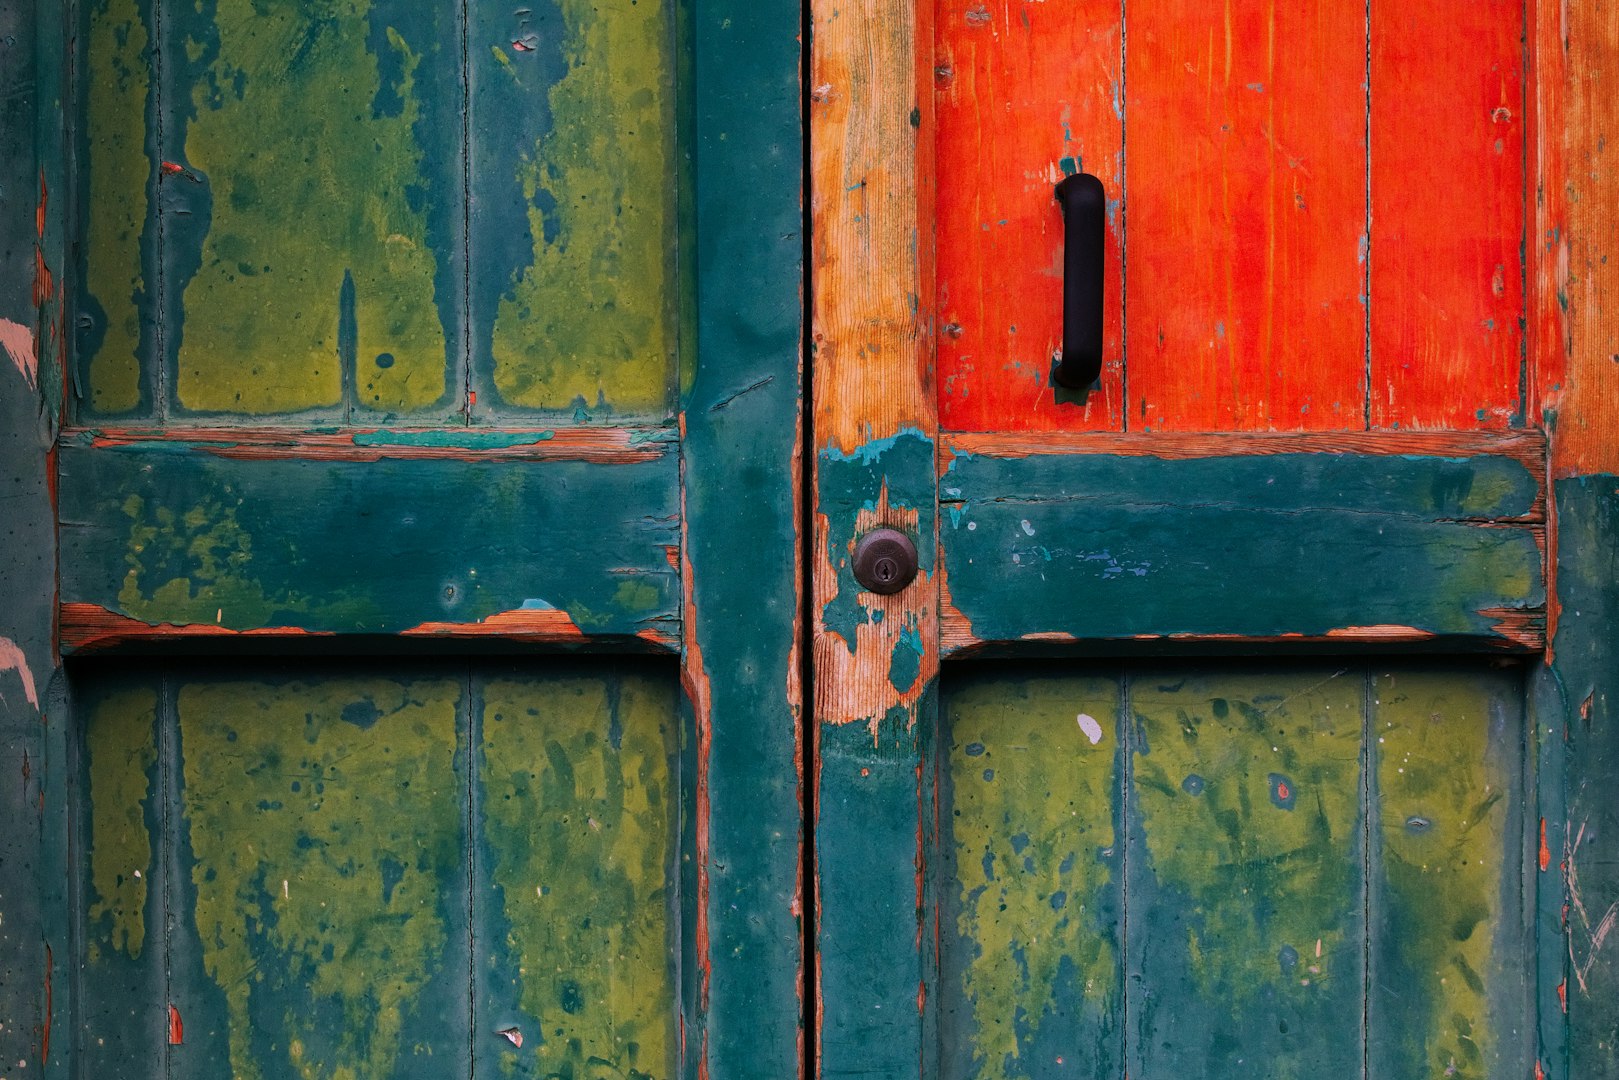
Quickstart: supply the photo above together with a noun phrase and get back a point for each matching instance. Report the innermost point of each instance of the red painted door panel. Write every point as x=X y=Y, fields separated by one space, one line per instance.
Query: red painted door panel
x=1315 y=217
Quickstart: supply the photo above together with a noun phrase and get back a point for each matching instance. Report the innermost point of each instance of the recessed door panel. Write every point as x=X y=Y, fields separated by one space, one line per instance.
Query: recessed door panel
x=306 y=871
x=1231 y=870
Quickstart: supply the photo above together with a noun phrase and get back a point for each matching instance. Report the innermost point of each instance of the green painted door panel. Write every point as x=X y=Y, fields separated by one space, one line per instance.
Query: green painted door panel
x=1233 y=870
x=377 y=210
x=362 y=871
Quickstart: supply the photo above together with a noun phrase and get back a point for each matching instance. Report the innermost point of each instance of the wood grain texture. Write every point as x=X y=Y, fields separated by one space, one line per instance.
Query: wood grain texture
x=875 y=658
x=1577 y=51
x=1026 y=94
x=1246 y=150
x=159 y=534
x=1293 y=546
x=1447 y=273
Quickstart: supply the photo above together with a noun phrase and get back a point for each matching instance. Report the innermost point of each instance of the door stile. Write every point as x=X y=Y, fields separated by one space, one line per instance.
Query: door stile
x=875 y=657
x=741 y=440
x=1575 y=386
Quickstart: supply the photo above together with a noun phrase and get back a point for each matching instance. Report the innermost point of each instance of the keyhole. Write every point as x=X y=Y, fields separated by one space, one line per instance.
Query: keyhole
x=885 y=561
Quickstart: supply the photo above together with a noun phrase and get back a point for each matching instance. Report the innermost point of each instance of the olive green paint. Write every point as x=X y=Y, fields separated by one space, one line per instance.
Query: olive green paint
x=578 y=824
x=122 y=751
x=592 y=321
x=303 y=201
x=326 y=819
x=1445 y=1001
x=1032 y=803
x=1244 y=891
x=118 y=170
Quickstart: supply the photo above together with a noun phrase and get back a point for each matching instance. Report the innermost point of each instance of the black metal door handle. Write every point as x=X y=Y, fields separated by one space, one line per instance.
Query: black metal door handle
x=1084 y=212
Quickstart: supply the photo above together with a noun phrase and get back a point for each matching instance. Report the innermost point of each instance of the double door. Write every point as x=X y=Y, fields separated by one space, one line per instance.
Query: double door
x=456 y=514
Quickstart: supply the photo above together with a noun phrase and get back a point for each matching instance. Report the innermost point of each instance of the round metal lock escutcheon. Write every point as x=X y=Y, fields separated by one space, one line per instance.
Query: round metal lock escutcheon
x=885 y=561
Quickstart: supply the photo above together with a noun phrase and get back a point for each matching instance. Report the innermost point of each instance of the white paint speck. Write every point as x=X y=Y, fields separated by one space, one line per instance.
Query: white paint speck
x=1092 y=730
x=1028 y=530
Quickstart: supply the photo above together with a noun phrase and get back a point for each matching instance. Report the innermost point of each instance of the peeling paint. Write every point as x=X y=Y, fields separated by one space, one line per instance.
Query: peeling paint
x=13 y=659
x=18 y=342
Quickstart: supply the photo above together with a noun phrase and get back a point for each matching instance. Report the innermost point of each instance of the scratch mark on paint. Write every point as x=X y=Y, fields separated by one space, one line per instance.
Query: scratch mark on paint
x=12 y=659
x=18 y=341
x=511 y=1034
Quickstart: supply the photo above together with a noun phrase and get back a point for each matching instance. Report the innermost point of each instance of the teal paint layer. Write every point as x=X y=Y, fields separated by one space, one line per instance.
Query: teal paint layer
x=850 y=491
x=577 y=801
x=1243 y=897
x=875 y=778
x=1105 y=546
x=740 y=453
x=1449 y=978
x=173 y=536
x=1584 y=840
x=574 y=182
x=872 y=790
x=32 y=725
x=1030 y=876
x=120 y=1013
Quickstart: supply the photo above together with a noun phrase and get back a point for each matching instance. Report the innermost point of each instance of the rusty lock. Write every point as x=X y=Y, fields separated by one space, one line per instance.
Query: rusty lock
x=885 y=561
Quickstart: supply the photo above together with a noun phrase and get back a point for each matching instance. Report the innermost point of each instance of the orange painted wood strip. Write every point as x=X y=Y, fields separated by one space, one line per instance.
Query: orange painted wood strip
x=1025 y=93
x=1547 y=247
x=1578 y=348
x=1447 y=214
x=1245 y=143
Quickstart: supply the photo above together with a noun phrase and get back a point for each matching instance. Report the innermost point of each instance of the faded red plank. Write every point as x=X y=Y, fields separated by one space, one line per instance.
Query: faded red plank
x=1025 y=93
x=1246 y=145
x=1447 y=214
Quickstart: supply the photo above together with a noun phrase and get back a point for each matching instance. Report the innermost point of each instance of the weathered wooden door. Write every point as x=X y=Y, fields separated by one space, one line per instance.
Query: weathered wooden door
x=1247 y=715
x=400 y=404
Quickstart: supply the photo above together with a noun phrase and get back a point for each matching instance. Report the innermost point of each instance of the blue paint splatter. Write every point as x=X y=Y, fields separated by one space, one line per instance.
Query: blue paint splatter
x=1193 y=784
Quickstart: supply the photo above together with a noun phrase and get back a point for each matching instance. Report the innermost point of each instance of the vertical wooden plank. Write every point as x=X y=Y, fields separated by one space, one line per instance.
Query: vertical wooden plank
x=1576 y=52
x=574 y=863
x=1449 y=991
x=1447 y=221
x=309 y=252
x=1244 y=889
x=875 y=429
x=1246 y=149
x=121 y=1016
x=1580 y=846
x=573 y=182
x=33 y=932
x=1026 y=94
x=742 y=481
x=116 y=290
x=1031 y=979
x=320 y=833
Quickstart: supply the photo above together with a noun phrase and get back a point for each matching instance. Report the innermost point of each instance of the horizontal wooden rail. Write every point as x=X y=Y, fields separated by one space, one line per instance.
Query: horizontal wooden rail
x=176 y=539
x=1432 y=540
